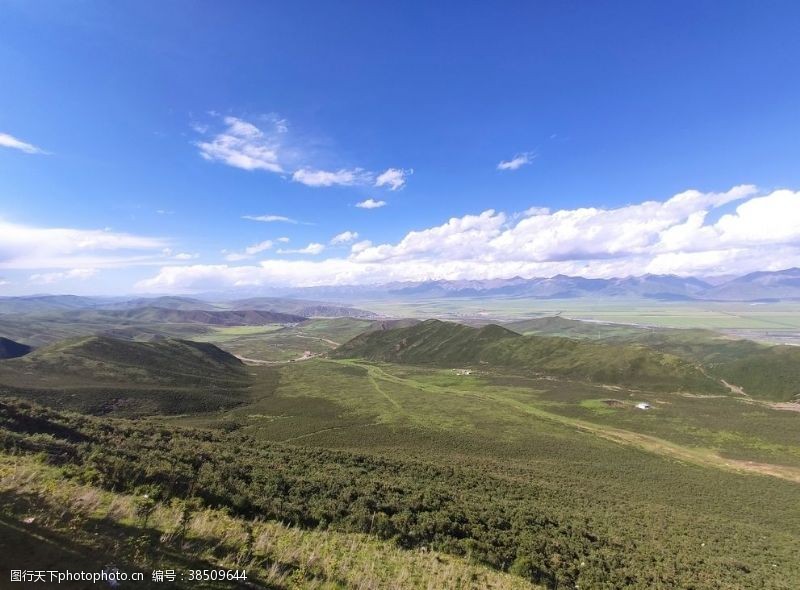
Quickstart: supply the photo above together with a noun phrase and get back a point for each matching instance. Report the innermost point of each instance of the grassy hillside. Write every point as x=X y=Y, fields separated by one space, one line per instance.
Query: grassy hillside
x=101 y=374
x=763 y=371
x=53 y=520
x=559 y=514
x=101 y=359
x=447 y=344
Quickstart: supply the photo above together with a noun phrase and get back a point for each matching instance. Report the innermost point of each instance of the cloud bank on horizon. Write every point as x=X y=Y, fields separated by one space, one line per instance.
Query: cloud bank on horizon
x=757 y=231
x=661 y=237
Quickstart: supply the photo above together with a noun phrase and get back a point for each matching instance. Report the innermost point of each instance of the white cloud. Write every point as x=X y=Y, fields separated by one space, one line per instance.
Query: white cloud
x=313 y=248
x=27 y=247
x=371 y=204
x=342 y=177
x=518 y=161
x=283 y=240
x=250 y=251
x=48 y=278
x=269 y=146
x=269 y=218
x=394 y=178
x=344 y=237
x=12 y=142
x=243 y=145
x=670 y=236
x=360 y=246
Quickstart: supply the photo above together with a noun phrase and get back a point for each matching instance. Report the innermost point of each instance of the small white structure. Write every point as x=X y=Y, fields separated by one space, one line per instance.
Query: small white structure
x=644 y=406
x=463 y=371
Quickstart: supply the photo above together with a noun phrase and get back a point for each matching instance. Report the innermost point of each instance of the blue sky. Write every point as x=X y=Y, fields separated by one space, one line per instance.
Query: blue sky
x=504 y=138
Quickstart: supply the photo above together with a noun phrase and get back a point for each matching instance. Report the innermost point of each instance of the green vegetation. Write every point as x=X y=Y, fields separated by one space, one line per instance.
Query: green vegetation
x=763 y=371
x=99 y=374
x=446 y=455
x=565 y=517
x=80 y=522
x=447 y=344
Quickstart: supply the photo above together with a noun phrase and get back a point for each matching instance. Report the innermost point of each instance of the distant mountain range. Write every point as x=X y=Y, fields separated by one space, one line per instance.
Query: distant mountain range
x=783 y=284
x=772 y=285
x=316 y=301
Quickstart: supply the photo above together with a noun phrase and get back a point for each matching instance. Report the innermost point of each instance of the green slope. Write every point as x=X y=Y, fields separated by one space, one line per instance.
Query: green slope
x=99 y=374
x=105 y=359
x=446 y=344
x=761 y=370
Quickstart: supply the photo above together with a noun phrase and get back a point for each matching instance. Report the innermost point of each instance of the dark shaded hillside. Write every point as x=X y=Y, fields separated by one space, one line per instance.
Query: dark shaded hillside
x=165 y=302
x=10 y=349
x=447 y=344
x=244 y=317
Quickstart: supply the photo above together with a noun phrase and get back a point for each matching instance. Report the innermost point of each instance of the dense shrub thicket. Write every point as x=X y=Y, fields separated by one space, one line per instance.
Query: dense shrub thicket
x=533 y=531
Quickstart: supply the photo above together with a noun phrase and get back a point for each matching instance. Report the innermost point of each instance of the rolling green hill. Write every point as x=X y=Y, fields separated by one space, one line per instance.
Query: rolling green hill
x=104 y=359
x=98 y=374
x=447 y=344
x=761 y=370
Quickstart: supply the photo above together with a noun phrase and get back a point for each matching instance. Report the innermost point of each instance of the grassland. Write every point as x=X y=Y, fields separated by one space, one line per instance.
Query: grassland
x=549 y=503
x=448 y=471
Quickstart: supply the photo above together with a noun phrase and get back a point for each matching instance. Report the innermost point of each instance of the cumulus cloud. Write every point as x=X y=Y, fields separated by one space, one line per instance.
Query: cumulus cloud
x=394 y=178
x=342 y=177
x=9 y=141
x=243 y=145
x=344 y=237
x=313 y=248
x=269 y=218
x=48 y=278
x=28 y=247
x=762 y=232
x=371 y=204
x=267 y=145
x=517 y=161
